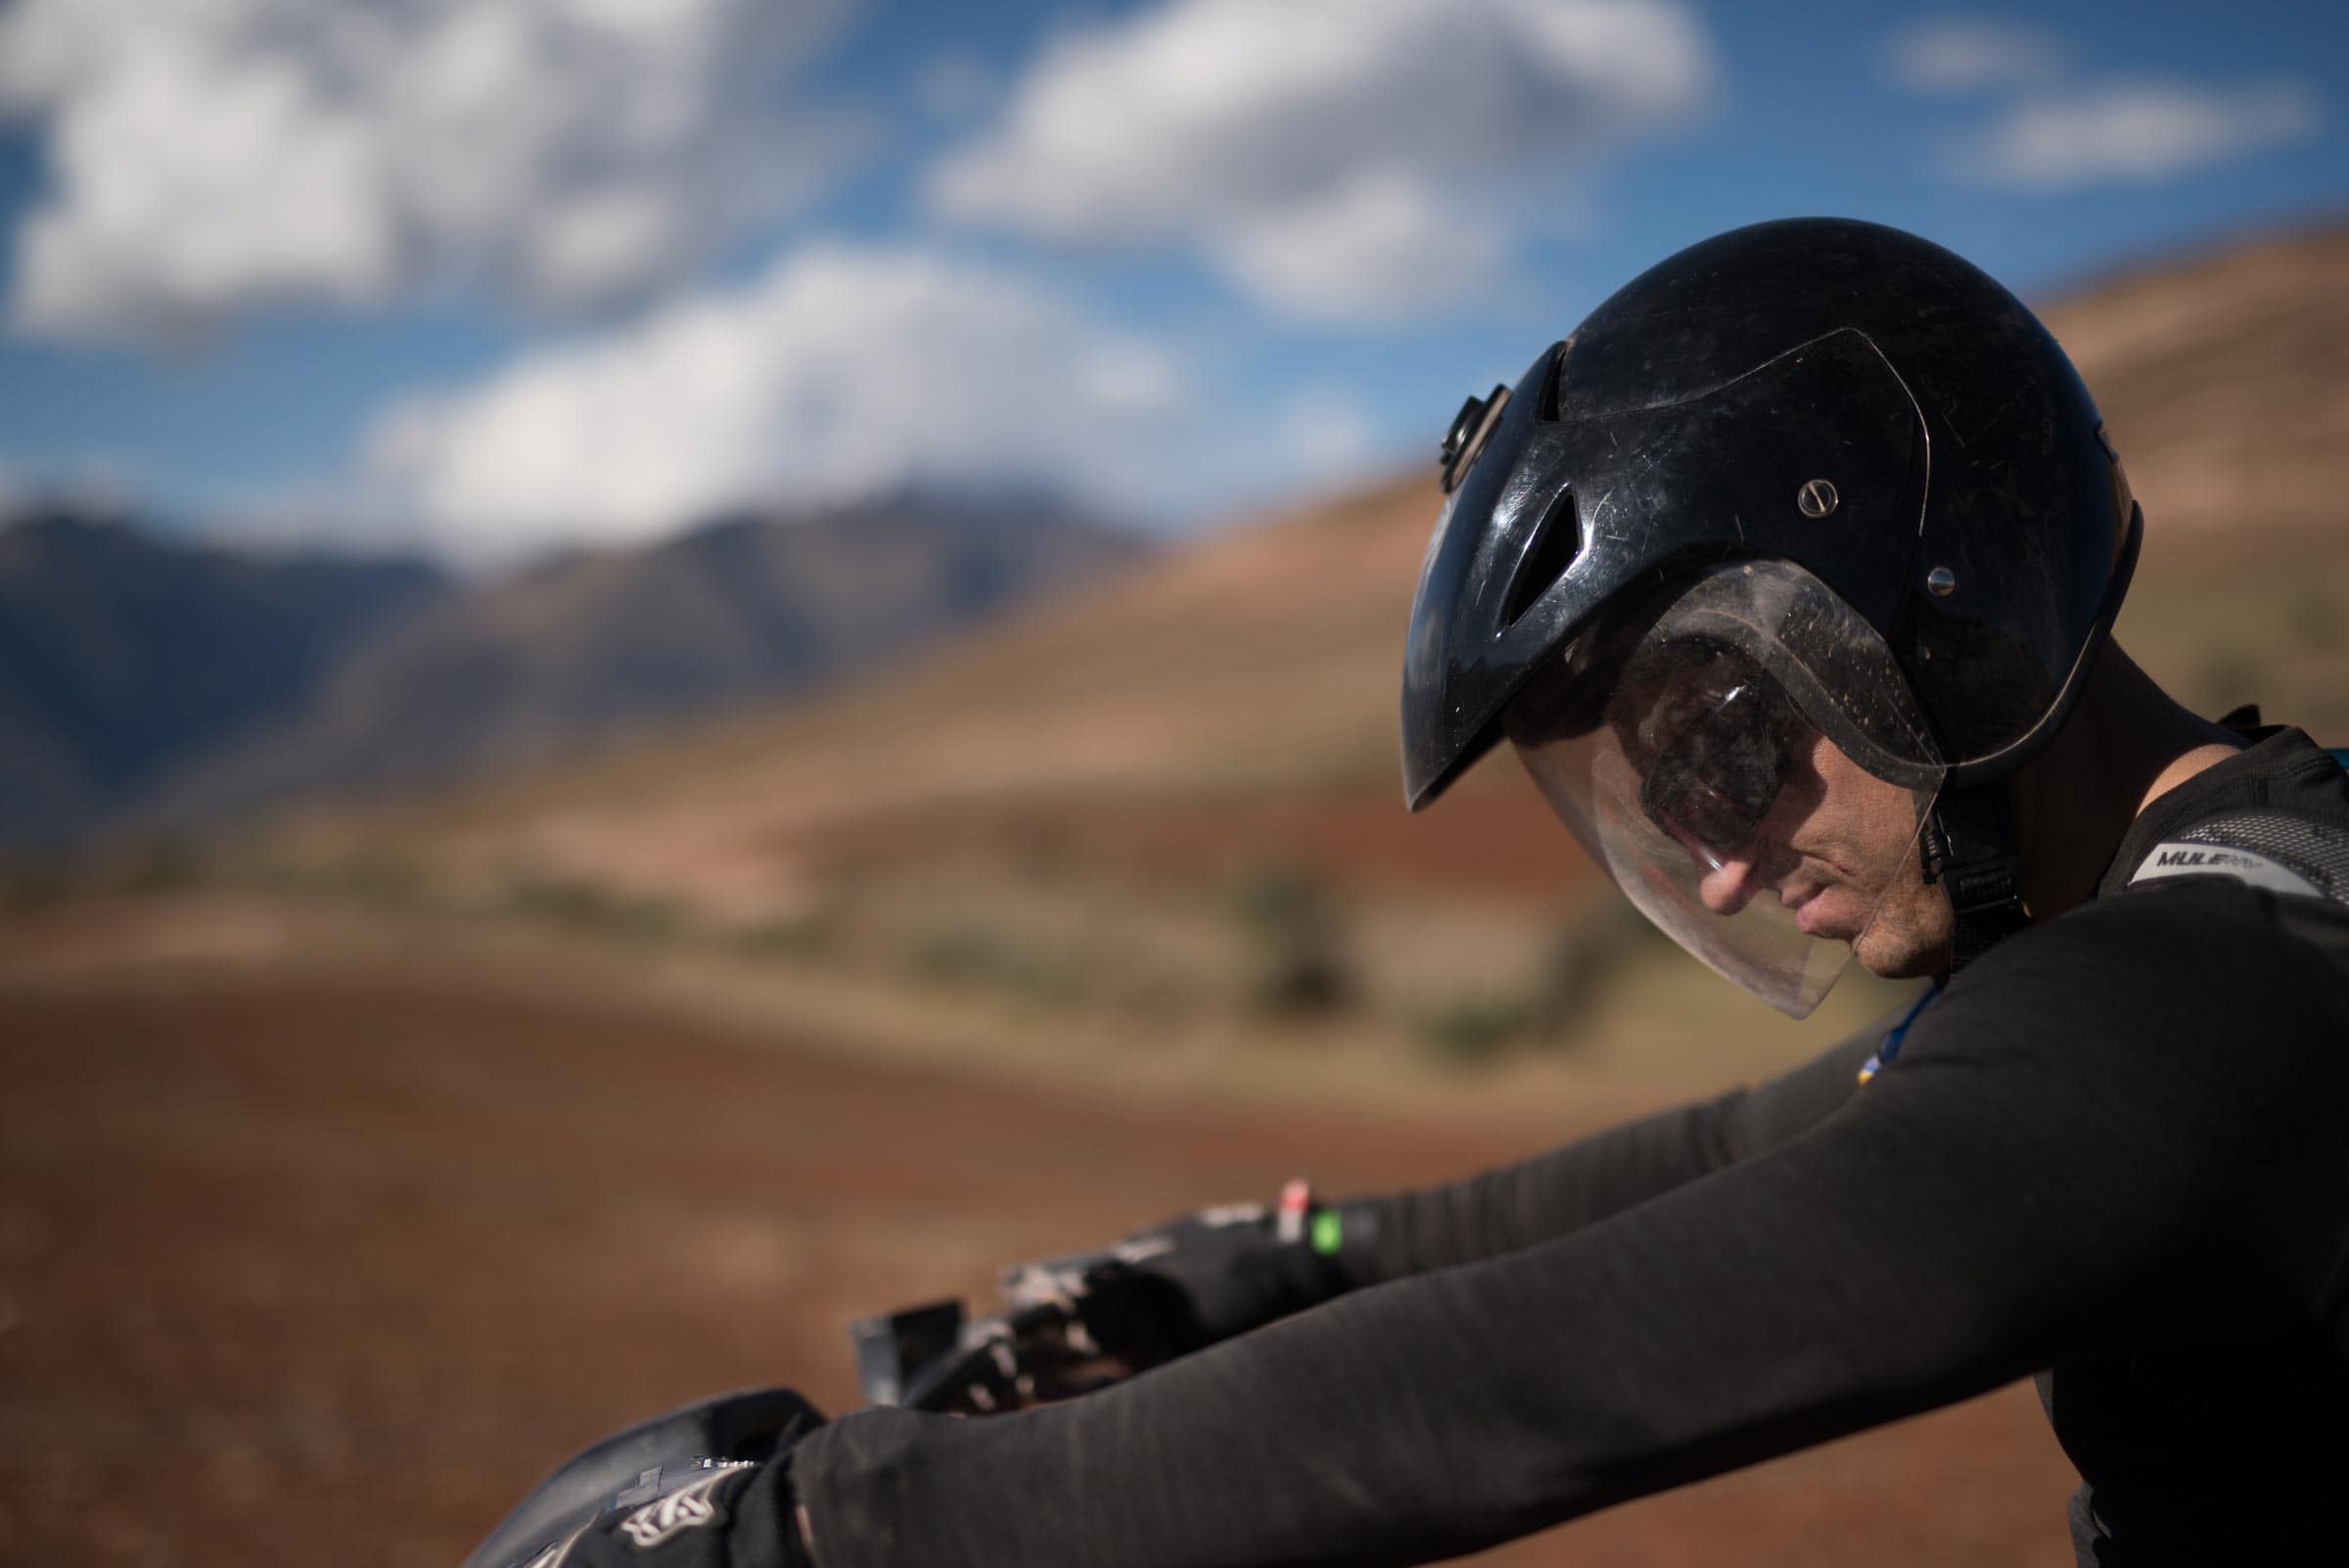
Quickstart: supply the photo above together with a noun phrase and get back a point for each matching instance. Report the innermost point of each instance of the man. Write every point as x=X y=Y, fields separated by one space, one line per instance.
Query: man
x=1788 y=576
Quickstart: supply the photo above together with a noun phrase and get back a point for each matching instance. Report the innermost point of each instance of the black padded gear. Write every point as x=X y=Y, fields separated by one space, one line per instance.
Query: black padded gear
x=2316 y=850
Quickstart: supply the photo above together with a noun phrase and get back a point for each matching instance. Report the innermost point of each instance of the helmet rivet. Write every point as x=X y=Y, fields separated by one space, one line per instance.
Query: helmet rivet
x=1942 y=581
x=1816 y=498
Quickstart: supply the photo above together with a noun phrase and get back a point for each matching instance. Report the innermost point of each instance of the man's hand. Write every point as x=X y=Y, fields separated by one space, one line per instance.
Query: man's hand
x=738 y=1517
x=1193 y=1280
x=705 y=1487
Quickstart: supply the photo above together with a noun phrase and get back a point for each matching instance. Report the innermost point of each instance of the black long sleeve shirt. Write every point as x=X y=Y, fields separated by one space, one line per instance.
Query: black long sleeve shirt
x=2117 y=1147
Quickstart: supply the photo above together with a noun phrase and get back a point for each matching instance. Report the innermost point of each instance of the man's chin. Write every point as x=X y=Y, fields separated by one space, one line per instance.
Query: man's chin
x=1895 y=955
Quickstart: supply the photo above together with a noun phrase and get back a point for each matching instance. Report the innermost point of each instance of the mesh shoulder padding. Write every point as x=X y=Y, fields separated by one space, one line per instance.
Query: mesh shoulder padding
x=2281 y=850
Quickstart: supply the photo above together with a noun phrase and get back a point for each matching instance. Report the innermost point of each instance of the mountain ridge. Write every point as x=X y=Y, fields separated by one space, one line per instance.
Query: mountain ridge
x=121 y=652
x=445 y=679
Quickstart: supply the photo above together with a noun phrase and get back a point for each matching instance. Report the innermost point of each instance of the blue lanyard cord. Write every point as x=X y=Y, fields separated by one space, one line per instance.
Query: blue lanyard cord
x=1890 y=1050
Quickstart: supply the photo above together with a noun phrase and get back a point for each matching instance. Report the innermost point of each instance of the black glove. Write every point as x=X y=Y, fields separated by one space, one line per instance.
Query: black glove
x=1196 y=1279
x=705 y=1487
x=741 y=1517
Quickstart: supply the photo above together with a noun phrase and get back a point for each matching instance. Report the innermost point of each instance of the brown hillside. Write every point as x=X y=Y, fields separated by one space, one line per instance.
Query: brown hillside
x=1231 y=705
x=1234 y=703
x=2221 y=378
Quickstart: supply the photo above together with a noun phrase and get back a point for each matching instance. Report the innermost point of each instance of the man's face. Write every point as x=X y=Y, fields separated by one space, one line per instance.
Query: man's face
x=1764 y=806
x=1710 y=755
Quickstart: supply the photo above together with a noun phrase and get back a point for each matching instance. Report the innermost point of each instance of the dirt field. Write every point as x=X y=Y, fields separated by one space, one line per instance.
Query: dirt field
x=308 y=1270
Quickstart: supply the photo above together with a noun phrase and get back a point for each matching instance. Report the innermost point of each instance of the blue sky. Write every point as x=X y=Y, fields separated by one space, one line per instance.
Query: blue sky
x=489 y=276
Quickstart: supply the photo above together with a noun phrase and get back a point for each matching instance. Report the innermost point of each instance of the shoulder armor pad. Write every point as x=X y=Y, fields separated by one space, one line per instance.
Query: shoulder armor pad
x=2282 y=852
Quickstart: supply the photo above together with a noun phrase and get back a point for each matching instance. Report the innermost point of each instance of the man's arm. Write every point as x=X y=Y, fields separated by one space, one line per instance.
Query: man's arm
x=2074 y=1156
x=1594 y=1177
x=1201 y=1279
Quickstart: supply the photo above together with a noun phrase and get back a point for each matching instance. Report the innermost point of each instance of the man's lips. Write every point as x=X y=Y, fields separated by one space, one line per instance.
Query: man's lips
x=1801 y=901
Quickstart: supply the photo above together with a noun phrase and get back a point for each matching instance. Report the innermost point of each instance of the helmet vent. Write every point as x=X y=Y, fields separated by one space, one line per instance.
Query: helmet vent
x=1557 y=540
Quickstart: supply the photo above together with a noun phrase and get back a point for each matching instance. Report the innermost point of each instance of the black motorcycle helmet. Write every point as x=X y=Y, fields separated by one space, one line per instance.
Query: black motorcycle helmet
x=1838 y=473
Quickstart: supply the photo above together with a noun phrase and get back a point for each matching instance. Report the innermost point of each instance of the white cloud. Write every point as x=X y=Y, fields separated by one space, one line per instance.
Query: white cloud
x=212 y=154
x=1953 y=56
x=1336 y=158
x=843 y=373
x=1371 y=248
x=2141 y=133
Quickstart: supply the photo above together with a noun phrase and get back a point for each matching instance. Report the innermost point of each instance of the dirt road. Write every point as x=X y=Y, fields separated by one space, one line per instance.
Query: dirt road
x=296 y=1271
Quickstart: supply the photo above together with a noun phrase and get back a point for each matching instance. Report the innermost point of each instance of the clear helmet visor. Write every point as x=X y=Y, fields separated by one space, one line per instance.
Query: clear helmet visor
x=1743 y=757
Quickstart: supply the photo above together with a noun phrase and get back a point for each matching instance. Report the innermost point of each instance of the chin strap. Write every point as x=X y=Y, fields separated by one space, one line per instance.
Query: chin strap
x=1968 y=846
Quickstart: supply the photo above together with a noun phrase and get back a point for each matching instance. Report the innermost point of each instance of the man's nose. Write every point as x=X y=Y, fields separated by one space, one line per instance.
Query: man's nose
x=1725 y=880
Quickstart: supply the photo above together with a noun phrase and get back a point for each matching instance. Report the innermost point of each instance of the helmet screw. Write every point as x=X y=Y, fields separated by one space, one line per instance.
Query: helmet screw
x=1942 y=581
x=1816 y=498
